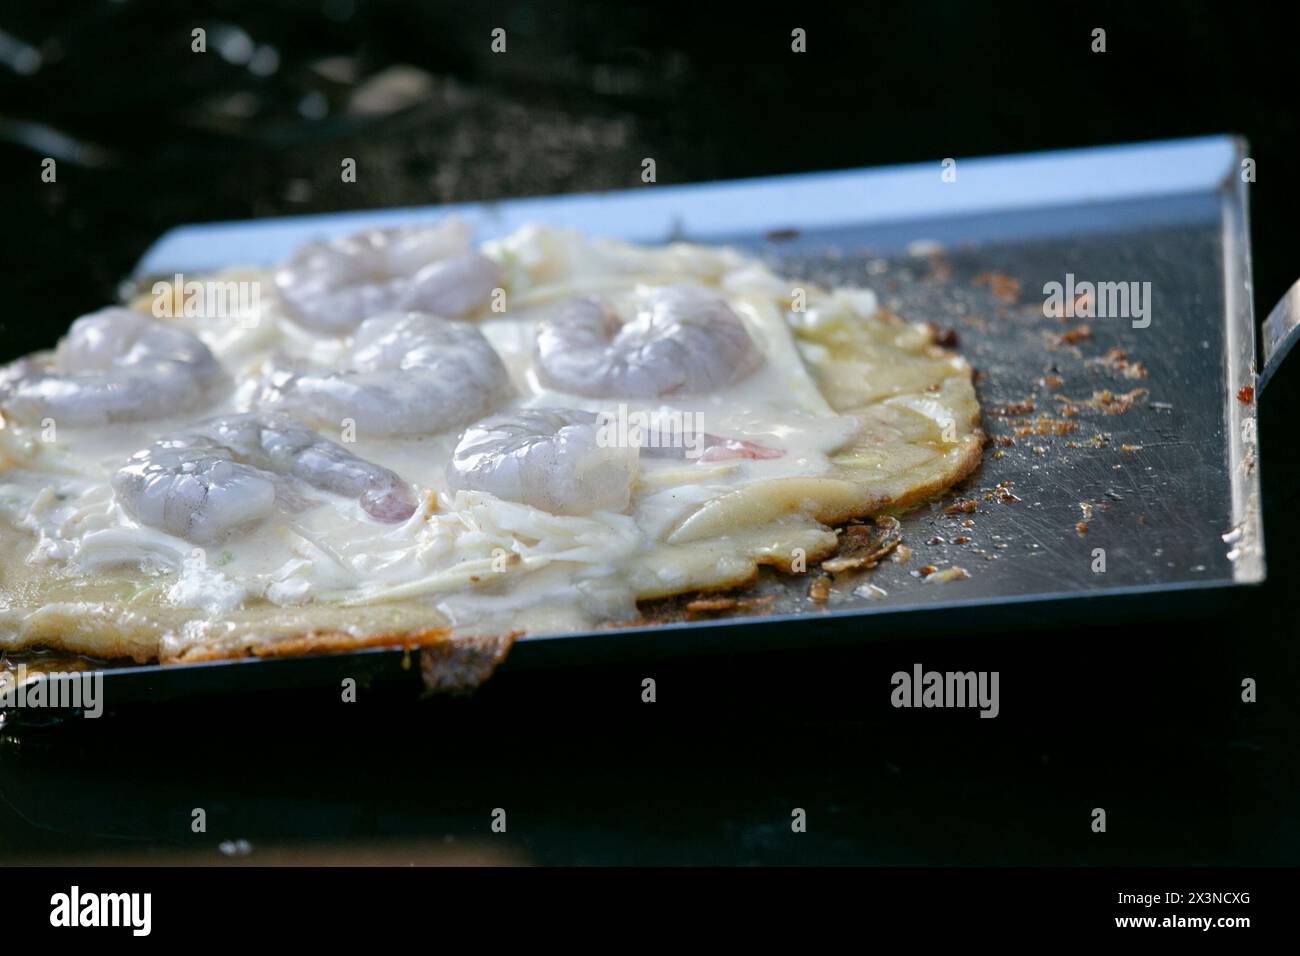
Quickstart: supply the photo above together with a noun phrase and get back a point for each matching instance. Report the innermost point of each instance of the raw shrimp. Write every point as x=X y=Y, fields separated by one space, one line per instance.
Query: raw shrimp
x=227 y=473
x=551 y=458
x=114 y=365
x=409 y=374
x=333 y=287
x=683 y=340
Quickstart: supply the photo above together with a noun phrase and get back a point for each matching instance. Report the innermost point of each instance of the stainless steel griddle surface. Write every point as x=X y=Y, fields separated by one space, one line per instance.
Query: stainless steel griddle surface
x=1120 y=462
x=1067 y=478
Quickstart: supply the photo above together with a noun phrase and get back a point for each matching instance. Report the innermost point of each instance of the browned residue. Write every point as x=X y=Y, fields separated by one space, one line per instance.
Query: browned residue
x=1012 y=409
x=953 y=573
x=1002 y=493
x=1105 y=401
x=1096 y=441
x=716 y=603
x=862 y=547
x=462 y=664
x=945 y=338
x=1003 y=287
x=1080 y=333
x=1117 y=360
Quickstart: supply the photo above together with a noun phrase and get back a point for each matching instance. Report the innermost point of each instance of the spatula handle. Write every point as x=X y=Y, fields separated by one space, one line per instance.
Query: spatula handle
x=1281 y=332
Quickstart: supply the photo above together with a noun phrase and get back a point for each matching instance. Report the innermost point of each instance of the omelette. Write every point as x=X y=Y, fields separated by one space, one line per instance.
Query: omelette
x=403 y=438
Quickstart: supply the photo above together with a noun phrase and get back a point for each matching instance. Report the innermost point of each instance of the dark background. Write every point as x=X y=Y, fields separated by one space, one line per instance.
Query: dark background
x=161 y=136
x=1144 y=720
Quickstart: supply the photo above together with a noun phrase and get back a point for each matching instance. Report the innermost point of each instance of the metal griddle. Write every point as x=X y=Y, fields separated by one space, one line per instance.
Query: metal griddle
x=1169 y=489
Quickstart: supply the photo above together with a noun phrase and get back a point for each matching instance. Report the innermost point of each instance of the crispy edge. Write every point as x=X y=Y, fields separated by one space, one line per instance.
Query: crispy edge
x=311 y=642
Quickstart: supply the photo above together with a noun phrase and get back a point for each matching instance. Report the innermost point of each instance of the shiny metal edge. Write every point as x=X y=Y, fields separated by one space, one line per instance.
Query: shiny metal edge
x=1245 y=539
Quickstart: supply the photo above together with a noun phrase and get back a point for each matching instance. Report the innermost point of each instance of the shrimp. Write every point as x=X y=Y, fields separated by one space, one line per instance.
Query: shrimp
x=114 y=365
x=553 y=459
x=682 y=340
x=228 y=473
x=332 y=287
x=412 y=374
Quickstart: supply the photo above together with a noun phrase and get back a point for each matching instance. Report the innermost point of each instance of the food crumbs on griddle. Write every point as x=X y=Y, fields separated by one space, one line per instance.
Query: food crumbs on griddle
x=711 y=604
x=936 y=540
x=1096 y=441
x=944 y=338
x=954 y=573
x=1080 y=333
x=1118 y=404
x=1052 y=381
x=715 y=604
x=860 y=551
x=1117 y=360
x=1082 y=528
x=902 y=554
x=1246 y=394
x=1086 y=508
x=961 y=506
x=820 y=589
x=1001 y=285
x=1013 y=409
x=1105 y=401
x=1042 y=425
x=1142 y=521
x=961 y=539
x=1130 y=449
x=1068 y=407
x=926 y=571
x=1002 y=492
